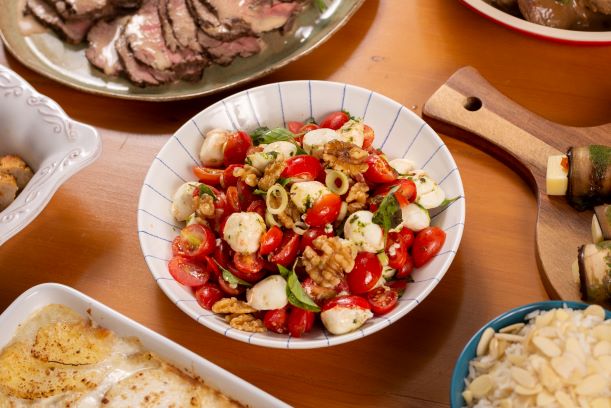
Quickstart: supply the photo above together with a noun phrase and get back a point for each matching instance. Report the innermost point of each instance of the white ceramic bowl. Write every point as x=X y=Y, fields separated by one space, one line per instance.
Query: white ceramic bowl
x=537 y=30
x=399 y=132
x=56 y=147
x=51 y=293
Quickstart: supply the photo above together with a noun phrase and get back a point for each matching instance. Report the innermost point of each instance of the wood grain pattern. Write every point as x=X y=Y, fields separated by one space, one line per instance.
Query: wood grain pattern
x=86 y=237
x=468 y=107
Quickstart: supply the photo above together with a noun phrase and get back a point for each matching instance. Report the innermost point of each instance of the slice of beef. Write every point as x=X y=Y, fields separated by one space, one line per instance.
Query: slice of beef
x=73 y=30
x=209 y=22
x=166 y=26
x=224 y=52
x=93 y=8
x=183 y=25
x=260 y=15
x=102 y=52
x=137 y=72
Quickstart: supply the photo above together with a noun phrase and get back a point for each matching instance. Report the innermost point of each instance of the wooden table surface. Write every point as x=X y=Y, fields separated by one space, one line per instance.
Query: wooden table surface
x=405 y=49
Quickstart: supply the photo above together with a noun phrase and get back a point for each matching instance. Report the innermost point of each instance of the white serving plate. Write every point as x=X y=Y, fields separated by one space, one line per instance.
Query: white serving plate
x=399 y=132
x=56 y=147
x=51 y=293
x=537 y=30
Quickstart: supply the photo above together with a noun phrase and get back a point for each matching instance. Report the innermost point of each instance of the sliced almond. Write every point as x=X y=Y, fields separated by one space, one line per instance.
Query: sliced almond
x=549 y=378
x=605 y=363
x=509 y=337
x=512 y=328
x=592 y=385
x=561 y=315
x=493 y=348
x=520 y=390
x=573 y=346
x=544 y=319
x=523 y=377
x=595 y=310
x=602 y=348
x=546 y=346
x=484 y=341
x=602 y=332
x=601 y=403
x=481 y=386
x=517 y=359
x=545 y=398
x=563 y=366
x=468 y=397
x=564 y=399
x=505 y=403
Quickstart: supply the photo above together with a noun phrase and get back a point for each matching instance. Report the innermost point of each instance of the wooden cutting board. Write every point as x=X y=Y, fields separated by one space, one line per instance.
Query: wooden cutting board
x=469 y=108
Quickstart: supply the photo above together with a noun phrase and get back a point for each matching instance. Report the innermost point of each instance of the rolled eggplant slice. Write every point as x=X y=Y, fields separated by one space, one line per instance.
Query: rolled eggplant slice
x=601 y=223
x=595 y=272
x=589 y=178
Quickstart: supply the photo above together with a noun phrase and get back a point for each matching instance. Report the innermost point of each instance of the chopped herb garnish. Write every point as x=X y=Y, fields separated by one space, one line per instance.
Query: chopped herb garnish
x=231 y=278
x=204 y=189
x=259 y=192
x=294 y=291
x=388 y=215
x=264 y=135
x=283 y=181
x=300 y=151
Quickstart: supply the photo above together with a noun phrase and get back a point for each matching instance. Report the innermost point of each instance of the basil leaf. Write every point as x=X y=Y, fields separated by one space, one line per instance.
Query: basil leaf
x=265 y=135
x=204 y=189
x=259 y=192
x=294 y=291
x=231 y=278
x=300 y=151
x=283 y=181
x=320 y=5
x=388 y=215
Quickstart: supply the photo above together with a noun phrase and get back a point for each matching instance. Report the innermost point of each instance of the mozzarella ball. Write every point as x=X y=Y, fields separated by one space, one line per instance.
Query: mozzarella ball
x=304 y=194
x=415 y=217
x=432 y=199
x=284 y=149
x=315 y=140
x=243 y=231
x=268 y=294
x=260 y=160
x=211 y=153
x=353 y=132
x=360 y=229
x=402 y=166
x=341 y=320
x=183 y=204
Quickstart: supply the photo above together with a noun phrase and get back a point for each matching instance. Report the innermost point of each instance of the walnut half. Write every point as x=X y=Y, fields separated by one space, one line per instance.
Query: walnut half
x=357 y=197
x=327 y=268
x=346 y=157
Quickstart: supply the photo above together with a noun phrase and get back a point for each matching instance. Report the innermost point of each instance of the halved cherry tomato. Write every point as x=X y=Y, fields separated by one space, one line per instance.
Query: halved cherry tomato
x=228 y=179
x=222 y=255
x=230 y=290
x=194 y=242
x=276 y=320
x=270 y=240
x=300 y=321
x=408 y=237
x=317 y=293
x=396 y=250
x=398 y=286
x=348 y=302
x=286 y=253
x=382 y=300
x=207 y=175
x=369 y=136
x=427 y=244
x=245 y=195
x=308 y=127
x=405 y=193
x=233 y=203
x=379 y=171
x=365 y=274
x=324 y=211
x=257 y=206
x=249 y=265
x=335 y=120
x=187 y=273
x=294 y=127
x=302 y=167
x=311 y=234
x=236 y=148
x=406 y=269
x=208 y=294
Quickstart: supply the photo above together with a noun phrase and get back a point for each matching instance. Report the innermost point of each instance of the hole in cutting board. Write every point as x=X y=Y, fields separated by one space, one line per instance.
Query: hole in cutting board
x=473 y=104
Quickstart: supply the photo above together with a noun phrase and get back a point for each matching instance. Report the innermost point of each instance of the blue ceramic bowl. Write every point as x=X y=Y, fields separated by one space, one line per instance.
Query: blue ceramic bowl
x=461 y=369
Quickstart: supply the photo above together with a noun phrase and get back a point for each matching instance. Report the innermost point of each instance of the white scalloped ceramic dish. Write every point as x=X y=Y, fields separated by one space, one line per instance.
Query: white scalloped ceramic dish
x=539 y=31
x=56 y=147
x=399 y=132
x=51 y=293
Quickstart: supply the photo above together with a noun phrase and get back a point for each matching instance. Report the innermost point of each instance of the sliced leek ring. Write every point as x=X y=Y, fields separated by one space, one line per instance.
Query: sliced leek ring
x=276 y=191
x=331 y=182
x=300 y=228
x=270 y=220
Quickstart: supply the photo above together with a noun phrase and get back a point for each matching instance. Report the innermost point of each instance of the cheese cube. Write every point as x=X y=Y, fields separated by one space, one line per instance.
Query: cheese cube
x=557 y=176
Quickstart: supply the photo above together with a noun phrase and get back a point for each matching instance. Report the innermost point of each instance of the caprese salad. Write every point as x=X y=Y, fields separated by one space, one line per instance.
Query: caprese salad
x=287 y=224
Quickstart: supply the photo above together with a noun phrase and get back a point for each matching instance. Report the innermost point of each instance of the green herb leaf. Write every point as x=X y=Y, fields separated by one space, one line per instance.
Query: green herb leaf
x=283 y=181
x=300 y=151
x=294 y=291
x=264 y=135
x=388 y=215
x=204 y=189
x=259 y=192
x=320 y=5
x=231 y=278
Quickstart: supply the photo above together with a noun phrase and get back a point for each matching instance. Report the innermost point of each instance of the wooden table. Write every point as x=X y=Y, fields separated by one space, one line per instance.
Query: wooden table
x=405 y=49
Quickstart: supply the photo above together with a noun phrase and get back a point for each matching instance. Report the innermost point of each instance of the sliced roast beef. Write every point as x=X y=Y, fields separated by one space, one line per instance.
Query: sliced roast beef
x=166 y=26
x=259 y=15
x=183 y=25
x=209 y=22
x=224 y=52
x=73 y=30
x=93 y=9
x=137 y=72
x=102 y=52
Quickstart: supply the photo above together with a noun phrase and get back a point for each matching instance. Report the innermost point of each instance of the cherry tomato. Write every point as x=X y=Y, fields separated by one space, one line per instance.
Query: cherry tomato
x=310 y=235
x=316 y=292
x=300 y=321
x=208 y=294
x=365 y=274
x=286 y=253
x=258 y=206
x=335 y=120
x=382 y=300
x=228 y=179
x=270 y=240
x=294 y=127
x=408 y=237
x=236 y=148
x=324 y=211
x=228 y=289
x=427 y=244
x=207 y=175
x=245 y=195
x=194 y=242
x=369 y=136
x=406 y=269
x=303 y=167
x=396 y=250
x=222 y=255
x=233 y=203
x=348 y=302
x=308 y=127
x=398 y=286
x=405 y=193
x=276 y=320
x=379 y=171
x=187 y=273
x=249 y=266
